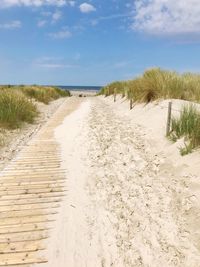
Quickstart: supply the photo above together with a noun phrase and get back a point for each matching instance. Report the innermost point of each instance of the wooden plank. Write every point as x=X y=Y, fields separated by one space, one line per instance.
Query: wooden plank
x=34 y=158
x=29 y=206
x=30 y=201
x=31 y=191
x=33 y=183
x=29 y=227
x=31 y=165
x=30 y=186
x=30 y=196
x=35 y=171
x=29 y=219
x=26 y=213
x=25 y=178
x=35 y=161
x=36 y=179
x=25 y=236
x=20 y=258
x=37 y=158
x=17 y=167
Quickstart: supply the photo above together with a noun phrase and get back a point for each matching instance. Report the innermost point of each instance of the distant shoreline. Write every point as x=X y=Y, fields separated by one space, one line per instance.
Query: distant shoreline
x=67 y=87
x=81 y=88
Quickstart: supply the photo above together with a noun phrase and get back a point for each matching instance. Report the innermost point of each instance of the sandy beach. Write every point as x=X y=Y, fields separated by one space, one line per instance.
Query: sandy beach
x=131 y=199
x=99 y=133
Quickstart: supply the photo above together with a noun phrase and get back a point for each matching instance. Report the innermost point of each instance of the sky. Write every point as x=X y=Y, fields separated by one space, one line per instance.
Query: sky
x=94 y=42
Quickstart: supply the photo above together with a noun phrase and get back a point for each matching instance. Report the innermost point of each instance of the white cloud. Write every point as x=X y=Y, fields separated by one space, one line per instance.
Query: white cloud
x=167 y=16
x=52 y=63
x=37 y=3
x=57 y=15
x=63 y=34
x=46 y=13
x=41 y=23
x=110 y=17
x=72 y=3
x=86 y=8
x=11 y=25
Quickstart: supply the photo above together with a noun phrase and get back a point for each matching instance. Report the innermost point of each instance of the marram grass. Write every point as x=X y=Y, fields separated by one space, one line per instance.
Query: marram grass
x=43 y=94
x=158 y=84
x=187 y=125
x=15 y=109
x=17 y=104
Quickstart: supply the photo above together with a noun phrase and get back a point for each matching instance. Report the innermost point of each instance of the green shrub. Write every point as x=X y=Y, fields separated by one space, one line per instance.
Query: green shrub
x=187 y=126
x=15 y=108
x=62 y=92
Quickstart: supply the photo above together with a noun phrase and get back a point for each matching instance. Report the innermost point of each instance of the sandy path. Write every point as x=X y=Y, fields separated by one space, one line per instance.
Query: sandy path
x=126 y=205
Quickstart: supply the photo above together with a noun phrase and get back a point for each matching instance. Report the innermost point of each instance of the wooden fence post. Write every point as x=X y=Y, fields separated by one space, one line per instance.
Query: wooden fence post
x=168 y=128
x=131 y=103
x=123 y=93
x=106 y=92
x=115 y=93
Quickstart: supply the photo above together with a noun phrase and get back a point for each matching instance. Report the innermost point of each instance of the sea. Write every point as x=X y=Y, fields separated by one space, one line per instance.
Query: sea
x=80 y=88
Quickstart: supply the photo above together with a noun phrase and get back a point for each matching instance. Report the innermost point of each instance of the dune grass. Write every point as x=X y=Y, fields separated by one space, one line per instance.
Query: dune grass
x=15 y=109
x=43 y=94
x=187 y=125
x=158 y=84
x=17 y=103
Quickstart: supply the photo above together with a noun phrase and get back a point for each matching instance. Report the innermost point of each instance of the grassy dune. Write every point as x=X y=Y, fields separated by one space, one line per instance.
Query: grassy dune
x=15 y=108
x=158 y=84
x=43 y=94
x=187 y=126
x=17 y=103
x=162 y=84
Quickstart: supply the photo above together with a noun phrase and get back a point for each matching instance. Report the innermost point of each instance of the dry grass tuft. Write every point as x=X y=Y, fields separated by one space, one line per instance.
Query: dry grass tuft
x=15 y=108
x=158 y=84
x=43 y=94
x=16 y=105
x=187 y=126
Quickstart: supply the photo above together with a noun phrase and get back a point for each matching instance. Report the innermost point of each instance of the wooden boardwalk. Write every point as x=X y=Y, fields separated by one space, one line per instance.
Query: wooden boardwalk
x=31 y=188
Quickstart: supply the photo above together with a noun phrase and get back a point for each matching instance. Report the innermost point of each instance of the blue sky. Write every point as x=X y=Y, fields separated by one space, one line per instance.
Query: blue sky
x=95 y=42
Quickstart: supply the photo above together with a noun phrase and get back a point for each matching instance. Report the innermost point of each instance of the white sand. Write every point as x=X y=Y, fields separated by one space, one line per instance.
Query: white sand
x=132 y=199
x=83 y=93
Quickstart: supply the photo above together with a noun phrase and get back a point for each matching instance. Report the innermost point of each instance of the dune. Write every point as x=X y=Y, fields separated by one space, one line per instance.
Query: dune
x=132 y=199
